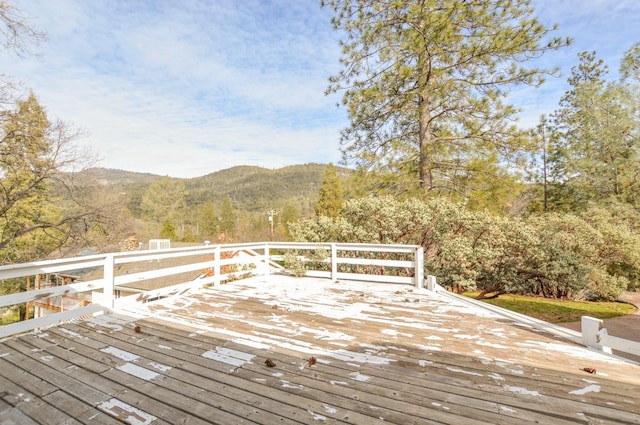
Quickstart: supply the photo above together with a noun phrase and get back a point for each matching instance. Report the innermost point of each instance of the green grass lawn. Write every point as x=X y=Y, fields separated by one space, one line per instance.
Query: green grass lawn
x=558 y=311
x=9 y=316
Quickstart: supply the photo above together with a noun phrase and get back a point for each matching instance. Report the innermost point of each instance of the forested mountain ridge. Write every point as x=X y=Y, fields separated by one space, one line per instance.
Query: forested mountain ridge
x=250 y=188
x=110 y=176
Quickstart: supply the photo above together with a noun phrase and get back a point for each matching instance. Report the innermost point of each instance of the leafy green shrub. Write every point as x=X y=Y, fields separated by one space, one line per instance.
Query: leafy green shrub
x=319 y=260
x=603 y=286
x=295 y=264
x=619 y=253
x=559 y=256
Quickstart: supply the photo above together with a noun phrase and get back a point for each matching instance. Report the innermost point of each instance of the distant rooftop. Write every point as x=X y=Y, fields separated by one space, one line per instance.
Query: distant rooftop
x=276 y=349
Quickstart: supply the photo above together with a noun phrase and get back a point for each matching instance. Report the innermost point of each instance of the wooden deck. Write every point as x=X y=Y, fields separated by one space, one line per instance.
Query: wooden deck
x=278 y=350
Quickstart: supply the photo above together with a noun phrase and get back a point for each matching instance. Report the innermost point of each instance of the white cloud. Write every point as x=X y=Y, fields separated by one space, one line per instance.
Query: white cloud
x=187 y=88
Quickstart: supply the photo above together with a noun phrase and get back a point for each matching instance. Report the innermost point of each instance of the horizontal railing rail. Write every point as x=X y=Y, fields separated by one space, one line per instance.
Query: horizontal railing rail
x=112 y=280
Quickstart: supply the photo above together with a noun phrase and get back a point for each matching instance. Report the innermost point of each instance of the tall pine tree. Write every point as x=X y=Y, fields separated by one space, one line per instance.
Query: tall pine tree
x=424 y=83
x=600 y=137
x=330 y=200
x=227 y=218
x=165 y=199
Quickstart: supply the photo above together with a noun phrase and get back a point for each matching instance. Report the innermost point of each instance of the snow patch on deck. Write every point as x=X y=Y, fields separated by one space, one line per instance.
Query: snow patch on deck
x=522 y=391
x=160 y=367
x=467 y=372
x=121 y=354
x=588 y=389
x=126 y=412
x=138 y=372
x=357 y=376
x=228 y=356
x=70 y=333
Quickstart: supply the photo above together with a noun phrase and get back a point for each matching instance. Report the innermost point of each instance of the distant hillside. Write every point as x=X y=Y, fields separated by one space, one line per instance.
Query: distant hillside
x=256 y=189
x=250 y=188
x=119 y=177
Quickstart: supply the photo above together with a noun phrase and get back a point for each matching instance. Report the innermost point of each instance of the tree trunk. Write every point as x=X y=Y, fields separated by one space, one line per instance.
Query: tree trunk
x=425 y=160
x=483 y=295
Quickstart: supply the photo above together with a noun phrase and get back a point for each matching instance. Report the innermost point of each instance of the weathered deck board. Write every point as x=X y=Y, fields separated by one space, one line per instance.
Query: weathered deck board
x=12 y=416
x=326 y=373
x=384 y=354
x=204 y=369
x=192 y=377
x=468 y=367
x=133 y=390
x=22 y=406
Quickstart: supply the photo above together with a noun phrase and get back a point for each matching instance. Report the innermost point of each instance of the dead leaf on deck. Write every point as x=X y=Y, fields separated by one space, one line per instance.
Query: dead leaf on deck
x=589 y=369
x=270 y=363
x=137 y=329
x=312 y=360
x=275 y=306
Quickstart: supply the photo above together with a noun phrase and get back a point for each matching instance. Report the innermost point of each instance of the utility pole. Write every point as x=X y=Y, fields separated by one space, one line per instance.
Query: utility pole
x=271 y=214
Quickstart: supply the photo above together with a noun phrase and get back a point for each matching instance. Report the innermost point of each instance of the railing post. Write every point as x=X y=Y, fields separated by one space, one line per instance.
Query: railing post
x=419 y=265
x=216 y=265
x=334 y=262
x=108 y=290
x=431 y=283
x=266 y=267
x=591 y=329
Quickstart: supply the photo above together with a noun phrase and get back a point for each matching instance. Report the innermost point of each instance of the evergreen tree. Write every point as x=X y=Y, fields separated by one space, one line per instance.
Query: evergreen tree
x=290 y=214
x=26 y=161
x=331 y=198
x=424 y=83
x=542 y=171
x=630 y=64
x=165 y=199
x=168 y=230
x=41 y=208
x=227 y=217
x=188 y=235
x=208 y=220
x=486 y=185
x=600 y=137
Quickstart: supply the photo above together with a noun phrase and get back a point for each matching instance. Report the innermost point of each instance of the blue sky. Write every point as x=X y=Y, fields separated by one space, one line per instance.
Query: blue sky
x=186 y=88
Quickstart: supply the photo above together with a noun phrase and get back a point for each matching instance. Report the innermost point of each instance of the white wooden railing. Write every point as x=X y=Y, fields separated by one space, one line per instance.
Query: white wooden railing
x=199 y=266
x=595 y=335
x=194 y=267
